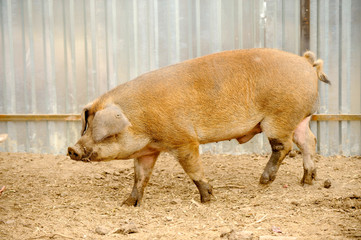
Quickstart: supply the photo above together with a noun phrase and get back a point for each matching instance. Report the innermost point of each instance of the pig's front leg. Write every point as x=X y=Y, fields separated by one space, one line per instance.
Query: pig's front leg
x=143 y=167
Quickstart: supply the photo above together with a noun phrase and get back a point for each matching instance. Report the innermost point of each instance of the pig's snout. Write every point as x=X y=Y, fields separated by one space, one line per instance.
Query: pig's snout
x=81 y=153
x=75 y=153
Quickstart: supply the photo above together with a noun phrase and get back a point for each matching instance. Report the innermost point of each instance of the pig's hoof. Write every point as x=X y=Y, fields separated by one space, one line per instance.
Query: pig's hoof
x=205 y=190
x=132 y=201
x=308 y=176
x=206 y=197
x=267 y=178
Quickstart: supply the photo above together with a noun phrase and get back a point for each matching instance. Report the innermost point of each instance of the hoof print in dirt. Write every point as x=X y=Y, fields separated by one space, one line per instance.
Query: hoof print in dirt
x=237 y=235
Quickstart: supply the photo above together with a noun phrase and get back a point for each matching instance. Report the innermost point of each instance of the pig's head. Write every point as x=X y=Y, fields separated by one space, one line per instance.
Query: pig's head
x=106 y=134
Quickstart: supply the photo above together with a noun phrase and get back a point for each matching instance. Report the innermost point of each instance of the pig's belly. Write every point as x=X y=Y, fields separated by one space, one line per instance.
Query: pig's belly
x=241 y=133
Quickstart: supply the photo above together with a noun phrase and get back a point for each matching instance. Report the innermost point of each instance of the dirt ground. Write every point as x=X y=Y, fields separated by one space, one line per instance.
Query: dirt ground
x=53 y=197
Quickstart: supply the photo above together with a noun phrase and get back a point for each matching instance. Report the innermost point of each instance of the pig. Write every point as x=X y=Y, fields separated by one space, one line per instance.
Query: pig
x=228 y=95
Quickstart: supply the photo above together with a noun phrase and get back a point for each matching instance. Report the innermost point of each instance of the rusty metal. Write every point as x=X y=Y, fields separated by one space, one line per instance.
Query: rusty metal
x=304 y=25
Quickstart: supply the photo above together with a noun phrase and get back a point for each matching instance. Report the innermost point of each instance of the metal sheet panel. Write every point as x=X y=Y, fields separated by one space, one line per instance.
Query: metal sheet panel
x=56 y=56
x=336 y=40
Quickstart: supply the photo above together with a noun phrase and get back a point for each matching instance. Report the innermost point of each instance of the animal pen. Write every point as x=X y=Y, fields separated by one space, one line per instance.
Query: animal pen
x=56 y=56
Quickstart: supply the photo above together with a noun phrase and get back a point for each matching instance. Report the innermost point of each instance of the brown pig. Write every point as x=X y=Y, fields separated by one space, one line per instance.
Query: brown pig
x=228 y=95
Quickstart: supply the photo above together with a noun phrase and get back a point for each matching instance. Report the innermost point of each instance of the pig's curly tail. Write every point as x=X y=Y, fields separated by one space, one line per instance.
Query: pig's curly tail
x=311 y=58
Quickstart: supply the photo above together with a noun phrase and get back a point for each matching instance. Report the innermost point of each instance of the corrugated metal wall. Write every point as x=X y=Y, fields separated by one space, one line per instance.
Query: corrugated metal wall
x=55 y=56
x=336 y=37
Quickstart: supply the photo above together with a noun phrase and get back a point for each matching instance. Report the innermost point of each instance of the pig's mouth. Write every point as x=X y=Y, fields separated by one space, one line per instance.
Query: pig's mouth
x=92 y=156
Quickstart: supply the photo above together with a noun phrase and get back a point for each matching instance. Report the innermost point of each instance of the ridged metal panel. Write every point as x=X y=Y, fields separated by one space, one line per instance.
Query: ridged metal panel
x=335 y=37
x=56 y=56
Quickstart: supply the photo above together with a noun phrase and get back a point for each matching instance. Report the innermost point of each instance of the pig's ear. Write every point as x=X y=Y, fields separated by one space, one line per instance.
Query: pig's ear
x=108 y=122
x=84 y=119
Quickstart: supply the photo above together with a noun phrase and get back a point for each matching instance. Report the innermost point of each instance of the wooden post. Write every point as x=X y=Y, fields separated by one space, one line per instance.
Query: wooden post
x=304 y=26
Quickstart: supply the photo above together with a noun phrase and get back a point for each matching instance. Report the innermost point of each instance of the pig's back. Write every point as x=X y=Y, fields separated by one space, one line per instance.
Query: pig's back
x=240 y=69
x=231 y=78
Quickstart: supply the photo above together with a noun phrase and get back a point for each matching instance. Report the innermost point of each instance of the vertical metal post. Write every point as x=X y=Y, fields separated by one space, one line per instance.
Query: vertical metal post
x=304 y=25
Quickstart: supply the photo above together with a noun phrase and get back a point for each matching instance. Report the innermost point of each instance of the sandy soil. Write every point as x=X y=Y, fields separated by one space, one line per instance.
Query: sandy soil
x=53 y=197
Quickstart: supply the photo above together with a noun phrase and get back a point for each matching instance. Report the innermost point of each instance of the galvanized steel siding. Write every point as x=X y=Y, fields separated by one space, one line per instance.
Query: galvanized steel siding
x=55 y=56
x=336 y=38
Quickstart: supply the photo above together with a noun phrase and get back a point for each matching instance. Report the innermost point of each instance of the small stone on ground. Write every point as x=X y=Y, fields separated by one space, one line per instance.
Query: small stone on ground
x=102 y=230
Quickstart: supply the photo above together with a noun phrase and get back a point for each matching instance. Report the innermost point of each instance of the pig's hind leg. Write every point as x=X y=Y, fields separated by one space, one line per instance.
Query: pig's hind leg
x=306 y=142
x=143 y=167
x=280 y=138
x=188 y=157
